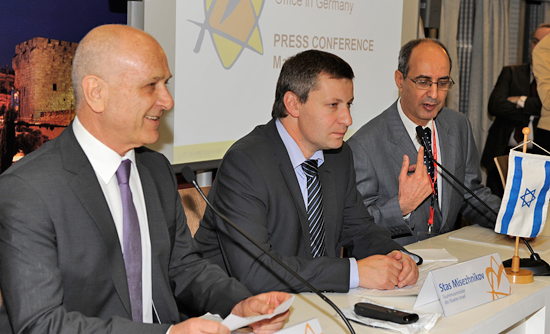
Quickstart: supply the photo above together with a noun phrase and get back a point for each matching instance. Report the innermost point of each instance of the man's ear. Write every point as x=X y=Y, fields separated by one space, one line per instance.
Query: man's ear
x=95 y=92
x=292 y=104
x=399 y=78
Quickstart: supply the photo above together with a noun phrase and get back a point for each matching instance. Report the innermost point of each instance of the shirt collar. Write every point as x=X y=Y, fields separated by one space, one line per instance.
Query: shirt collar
x=410 y=126
x=294 y=152
x=104 y=160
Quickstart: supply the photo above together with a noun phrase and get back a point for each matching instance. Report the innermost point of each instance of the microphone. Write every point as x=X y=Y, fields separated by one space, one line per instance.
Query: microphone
x=190 y=177
x=535 y=263
x=420 y=133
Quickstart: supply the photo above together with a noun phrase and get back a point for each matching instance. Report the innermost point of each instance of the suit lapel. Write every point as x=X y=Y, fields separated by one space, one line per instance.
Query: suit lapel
x=400 y=144
x=285 y=166
x=447 y=139
x=523 y=82
x=399 y=141
x=87 y=189
x=160 y=244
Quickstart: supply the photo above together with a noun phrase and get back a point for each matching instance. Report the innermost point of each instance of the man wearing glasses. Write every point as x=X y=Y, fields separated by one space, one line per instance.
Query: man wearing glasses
x=416 y=201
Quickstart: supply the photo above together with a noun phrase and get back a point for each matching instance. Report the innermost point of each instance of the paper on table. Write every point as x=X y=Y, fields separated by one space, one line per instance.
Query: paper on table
x=233 y=321
x=487 y=236
x=424 y=269
x=431 y=255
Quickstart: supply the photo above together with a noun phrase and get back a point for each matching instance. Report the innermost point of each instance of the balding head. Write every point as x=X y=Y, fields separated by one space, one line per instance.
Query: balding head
x=103 y=52
x=423 y=61
x=119 y=76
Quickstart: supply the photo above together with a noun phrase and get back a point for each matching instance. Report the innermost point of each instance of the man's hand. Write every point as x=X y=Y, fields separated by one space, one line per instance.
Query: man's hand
x=385 y=272
x=264 y=303
x=409 y=272
x=199 y=326
x=379 y=272
x=513 y=99
x=414 y=188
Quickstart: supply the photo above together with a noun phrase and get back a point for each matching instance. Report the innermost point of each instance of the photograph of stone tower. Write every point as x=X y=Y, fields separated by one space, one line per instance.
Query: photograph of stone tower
x=43 y=79
x=37 y=45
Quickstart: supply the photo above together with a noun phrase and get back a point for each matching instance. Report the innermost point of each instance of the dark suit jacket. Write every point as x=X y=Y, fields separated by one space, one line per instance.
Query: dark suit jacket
x=512 y=81
x=378 y=149
x=61 y=263
x=256 y=187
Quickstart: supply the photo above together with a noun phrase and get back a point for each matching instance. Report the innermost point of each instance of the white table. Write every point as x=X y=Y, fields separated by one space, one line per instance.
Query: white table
x=522 y=312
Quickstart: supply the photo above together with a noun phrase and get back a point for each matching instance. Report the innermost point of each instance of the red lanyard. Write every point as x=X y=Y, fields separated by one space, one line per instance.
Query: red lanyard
x=434 y=145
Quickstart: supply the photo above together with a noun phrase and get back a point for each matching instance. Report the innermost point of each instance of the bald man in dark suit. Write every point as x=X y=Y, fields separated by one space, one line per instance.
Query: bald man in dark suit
x=67 y=264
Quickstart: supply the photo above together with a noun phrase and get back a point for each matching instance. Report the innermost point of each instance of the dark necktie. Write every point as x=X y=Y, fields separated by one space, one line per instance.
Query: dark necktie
x=427 y=162
x=315 y=209
x=131 y=238
x=534 y=91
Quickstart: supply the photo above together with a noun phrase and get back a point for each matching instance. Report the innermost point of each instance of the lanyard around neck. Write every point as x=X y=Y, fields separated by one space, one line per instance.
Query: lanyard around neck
x=433 y=181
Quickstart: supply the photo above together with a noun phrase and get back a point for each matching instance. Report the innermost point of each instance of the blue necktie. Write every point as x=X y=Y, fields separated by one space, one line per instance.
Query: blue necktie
x=315 y=209
x=131 y=238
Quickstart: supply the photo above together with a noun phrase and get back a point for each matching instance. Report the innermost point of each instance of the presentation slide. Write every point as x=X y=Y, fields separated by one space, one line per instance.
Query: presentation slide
x=228 y=55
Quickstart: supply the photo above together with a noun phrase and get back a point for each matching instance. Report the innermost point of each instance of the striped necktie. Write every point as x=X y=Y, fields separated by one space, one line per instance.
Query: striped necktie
x=315 y=209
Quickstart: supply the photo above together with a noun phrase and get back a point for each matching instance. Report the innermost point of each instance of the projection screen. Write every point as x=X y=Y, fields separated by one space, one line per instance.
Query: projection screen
x=225 y=57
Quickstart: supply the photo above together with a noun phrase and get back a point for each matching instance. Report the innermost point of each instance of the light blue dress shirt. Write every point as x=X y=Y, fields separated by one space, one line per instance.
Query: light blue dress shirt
x=297 y=158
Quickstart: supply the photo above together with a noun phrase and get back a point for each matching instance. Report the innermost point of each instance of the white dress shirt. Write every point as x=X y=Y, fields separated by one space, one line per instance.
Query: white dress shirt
x=105 y=163
x=410 y=127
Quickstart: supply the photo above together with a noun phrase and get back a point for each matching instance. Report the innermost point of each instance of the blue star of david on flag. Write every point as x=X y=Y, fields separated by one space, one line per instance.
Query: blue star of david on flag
x=522 y=211
x=525 y=198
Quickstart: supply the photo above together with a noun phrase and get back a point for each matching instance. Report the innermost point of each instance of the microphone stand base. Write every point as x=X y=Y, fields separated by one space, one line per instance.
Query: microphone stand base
x=537 y=267
x=523 y=276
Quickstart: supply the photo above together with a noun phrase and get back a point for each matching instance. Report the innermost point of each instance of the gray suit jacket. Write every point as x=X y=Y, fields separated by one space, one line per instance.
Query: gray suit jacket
x=61 y=263
x=256 y=187
x=378 y=149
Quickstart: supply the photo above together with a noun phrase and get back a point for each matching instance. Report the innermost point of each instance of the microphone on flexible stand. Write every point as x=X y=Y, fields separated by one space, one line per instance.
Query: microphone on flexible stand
x=420 y=133
x=535 y=263
x=190 y=177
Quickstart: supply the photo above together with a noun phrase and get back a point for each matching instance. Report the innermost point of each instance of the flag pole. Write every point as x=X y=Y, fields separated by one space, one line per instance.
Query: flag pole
x=515 y=273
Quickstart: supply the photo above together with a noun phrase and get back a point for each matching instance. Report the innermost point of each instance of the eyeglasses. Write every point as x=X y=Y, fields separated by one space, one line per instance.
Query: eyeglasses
x=425 y=84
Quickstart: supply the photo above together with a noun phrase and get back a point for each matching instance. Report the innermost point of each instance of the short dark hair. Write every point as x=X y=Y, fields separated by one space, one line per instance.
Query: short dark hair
x=300 y=74
x=407 y=49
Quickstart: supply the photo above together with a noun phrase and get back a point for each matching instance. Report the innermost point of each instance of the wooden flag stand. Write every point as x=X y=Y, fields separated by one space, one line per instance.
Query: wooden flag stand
x=515 y=273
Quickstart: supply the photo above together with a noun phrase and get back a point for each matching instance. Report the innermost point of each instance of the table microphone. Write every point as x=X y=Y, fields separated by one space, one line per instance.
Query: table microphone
x=535 y=263
x=190 y=177
x=420 y=133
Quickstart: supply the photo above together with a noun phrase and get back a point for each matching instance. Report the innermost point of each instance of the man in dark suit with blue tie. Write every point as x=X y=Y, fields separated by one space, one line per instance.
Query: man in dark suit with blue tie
x=515 y=104
x=291 y=185
x=93 y=236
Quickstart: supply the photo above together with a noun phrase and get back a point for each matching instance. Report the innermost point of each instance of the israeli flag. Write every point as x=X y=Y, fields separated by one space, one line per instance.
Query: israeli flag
x=525 y=203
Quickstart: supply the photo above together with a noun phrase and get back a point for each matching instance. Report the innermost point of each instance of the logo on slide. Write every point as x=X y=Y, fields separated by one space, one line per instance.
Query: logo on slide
x=233 y=26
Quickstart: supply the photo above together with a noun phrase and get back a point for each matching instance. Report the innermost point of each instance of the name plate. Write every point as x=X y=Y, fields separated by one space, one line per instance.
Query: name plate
x=311 y=326
x=463 y=286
